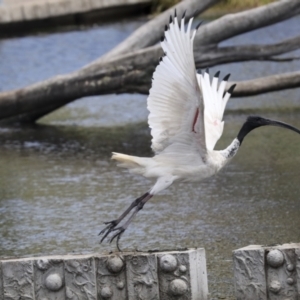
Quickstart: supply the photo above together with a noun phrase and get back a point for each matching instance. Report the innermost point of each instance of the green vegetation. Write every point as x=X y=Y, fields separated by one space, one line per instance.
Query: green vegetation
x=224 y=7
x=232 y=6
x=161 y=5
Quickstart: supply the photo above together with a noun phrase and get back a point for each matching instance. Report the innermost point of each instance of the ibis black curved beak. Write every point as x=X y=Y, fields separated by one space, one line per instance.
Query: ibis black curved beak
x=253 y=122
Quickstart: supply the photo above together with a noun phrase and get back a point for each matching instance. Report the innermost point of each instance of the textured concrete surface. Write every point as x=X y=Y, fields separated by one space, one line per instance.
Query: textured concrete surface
x=267 y=273
x=161 y=276
x=29 y=10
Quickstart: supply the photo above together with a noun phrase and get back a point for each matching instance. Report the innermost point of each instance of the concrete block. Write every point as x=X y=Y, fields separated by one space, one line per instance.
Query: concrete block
x=111 y=277
x=96 y=4
x=34 y=11
x=4 y=15
x=59 y=8
x=141 y=272
x=249 y=273
x=270 y=273
x=80 y=278
x=176 y=275
x=182 y=275
x=111 y=3
x=78 y=6
x=1 y=283
x=18 y=279
x=198 y=274
x=49 y=278
x=281 y=273
x=16 y=14
x=297 y=253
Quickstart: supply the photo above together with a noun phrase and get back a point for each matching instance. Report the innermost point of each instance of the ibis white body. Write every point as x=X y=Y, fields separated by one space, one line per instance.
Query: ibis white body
x=186 y=120
x=186 y=111
x=169 y=168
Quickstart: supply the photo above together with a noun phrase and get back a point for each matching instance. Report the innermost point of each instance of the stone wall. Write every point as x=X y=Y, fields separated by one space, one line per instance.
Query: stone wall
x=179 y=275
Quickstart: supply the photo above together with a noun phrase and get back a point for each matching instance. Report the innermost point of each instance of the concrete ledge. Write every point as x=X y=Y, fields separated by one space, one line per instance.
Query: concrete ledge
x=22 y=17
x=161 y=275
x=32 y=10
x=267 y=272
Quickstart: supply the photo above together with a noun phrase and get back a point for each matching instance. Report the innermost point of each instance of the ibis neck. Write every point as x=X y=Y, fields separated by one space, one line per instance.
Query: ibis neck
x=222 y=157
x=231 y=150
x=251 y=123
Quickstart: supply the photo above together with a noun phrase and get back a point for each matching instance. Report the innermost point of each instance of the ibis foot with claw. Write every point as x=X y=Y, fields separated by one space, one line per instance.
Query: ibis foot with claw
x=111 y=226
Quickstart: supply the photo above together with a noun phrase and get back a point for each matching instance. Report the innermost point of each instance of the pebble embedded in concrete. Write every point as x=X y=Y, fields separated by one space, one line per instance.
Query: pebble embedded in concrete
x=43 y=264
x=53 y=282
x=168 y=263
x=115 y=264
x=275 y=286
x=106 y=292
x=275 y=258
x=182 y=268
x=178 y=287
x=120 y=285
x=290 y=267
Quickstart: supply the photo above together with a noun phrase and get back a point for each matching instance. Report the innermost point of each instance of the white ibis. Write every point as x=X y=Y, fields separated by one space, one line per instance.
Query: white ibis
x=186 y=112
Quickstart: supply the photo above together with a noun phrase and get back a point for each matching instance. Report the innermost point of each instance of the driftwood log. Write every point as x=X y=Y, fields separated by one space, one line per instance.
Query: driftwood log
x=129 y=66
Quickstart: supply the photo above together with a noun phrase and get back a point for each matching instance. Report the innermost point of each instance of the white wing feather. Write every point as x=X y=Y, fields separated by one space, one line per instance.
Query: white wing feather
x=214 y=107
x=175 y=96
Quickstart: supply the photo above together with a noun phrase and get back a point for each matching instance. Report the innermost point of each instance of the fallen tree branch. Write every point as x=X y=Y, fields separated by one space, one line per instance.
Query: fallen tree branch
x=234 y=24
x=282 y=59
x=132 y=72
x=222 y=55
x=150 y=33
x=267 y=84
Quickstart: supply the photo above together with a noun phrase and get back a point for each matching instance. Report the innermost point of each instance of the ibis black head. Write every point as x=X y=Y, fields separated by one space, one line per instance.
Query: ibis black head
x=253 y=122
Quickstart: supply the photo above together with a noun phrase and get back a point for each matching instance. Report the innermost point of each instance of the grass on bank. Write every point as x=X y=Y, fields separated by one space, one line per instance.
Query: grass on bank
x=223 y=7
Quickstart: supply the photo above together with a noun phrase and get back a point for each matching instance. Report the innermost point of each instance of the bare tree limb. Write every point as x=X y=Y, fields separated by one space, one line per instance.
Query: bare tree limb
x=150 y=33
x=235 y=24
x=267 y=84
x=282 y=59
x=222 y=55
x=132 y=72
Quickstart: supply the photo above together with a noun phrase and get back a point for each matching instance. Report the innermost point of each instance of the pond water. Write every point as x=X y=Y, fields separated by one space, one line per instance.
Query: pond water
x=58 y=185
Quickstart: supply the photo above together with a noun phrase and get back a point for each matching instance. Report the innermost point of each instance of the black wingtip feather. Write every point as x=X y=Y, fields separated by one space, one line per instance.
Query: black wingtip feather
x=166 y=27
x=230 y=90
x=217 y=74
x=175 y=14
x=207 y=71
x=199 y=71
x=226 y=77
x=162 y=38
x=199 y=25
x=183 y=15
x=171 y=20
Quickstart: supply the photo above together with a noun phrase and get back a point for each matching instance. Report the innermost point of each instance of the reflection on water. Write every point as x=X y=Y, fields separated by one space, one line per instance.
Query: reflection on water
x=57 y=185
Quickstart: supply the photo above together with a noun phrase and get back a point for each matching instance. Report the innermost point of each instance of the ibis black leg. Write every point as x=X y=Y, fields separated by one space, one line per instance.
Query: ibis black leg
x=137 y=205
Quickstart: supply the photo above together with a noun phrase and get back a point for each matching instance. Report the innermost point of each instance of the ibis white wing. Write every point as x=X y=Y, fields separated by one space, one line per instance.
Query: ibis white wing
x=215 y=99
x=175 y=101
